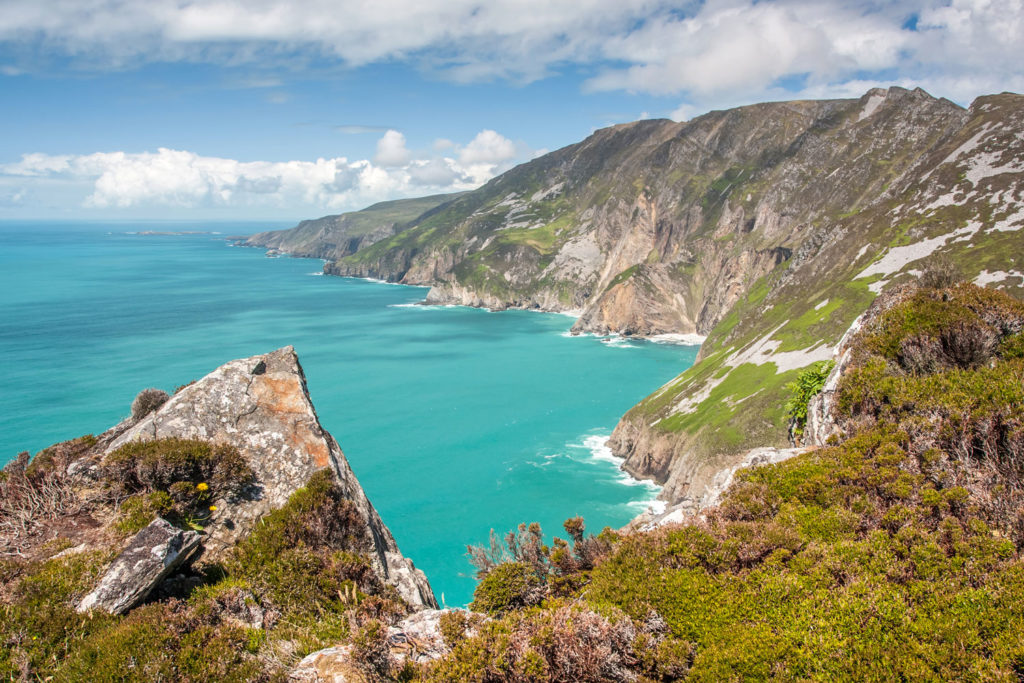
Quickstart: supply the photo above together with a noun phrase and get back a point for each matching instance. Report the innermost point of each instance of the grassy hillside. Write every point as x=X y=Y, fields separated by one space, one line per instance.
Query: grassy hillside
x=893 y=554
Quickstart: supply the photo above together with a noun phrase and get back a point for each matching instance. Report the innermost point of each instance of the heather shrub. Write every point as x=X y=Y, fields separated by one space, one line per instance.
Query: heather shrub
x=510 y=585
x=565 y=642
x=35 y=493
x=159 y=465
x=147 y=401
x=940 y=272
x=371 y=653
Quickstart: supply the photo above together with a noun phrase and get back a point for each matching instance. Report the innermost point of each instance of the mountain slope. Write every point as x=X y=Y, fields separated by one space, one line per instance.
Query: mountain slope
x=960 y=200
x=656 y=226
x=332 y=237
x=767 y=228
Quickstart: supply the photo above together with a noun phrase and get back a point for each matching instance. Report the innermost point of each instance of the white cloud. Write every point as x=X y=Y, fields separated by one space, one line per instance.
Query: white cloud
x=391 y=150
x=178 y=178
x=707 y=53
x=488 y=147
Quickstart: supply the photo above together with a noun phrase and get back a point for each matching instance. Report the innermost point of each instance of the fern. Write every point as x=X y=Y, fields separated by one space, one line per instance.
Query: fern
x=807 y=385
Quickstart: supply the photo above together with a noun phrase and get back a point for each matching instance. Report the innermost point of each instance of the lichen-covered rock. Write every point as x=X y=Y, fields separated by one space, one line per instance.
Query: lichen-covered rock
x=330 y=665
x=151 y=556
x=417 y=638
x=261 y=406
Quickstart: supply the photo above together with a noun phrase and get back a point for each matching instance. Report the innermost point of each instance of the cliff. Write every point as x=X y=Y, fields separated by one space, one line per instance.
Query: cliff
x=956 y=201
x=768 y=229
x=260 y=405
x=335 y=236
x=223 y=519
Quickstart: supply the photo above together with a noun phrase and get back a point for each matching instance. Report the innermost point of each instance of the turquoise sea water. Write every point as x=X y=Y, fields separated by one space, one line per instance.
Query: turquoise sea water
x=455 y=420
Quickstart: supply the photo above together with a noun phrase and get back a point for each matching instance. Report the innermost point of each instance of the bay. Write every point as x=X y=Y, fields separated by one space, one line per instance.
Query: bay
x=455 y=420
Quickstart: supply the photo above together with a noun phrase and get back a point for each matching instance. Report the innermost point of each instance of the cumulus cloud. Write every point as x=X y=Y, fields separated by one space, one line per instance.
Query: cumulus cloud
x=488 y=147
x=667 y=46
x=179 y=178
x=391 y=150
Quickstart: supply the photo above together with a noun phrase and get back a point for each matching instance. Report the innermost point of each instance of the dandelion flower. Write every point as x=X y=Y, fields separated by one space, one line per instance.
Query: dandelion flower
x=202 y=486
x=213 y=508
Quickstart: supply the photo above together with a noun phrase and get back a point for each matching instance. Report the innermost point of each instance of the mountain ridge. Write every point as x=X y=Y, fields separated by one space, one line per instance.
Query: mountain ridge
x=767 y=228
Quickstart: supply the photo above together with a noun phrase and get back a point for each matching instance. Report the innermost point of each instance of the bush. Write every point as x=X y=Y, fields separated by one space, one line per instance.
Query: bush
x=510 y=585
x=940 y=272
x=147 y=401
x=371 y=653
x=808 y=384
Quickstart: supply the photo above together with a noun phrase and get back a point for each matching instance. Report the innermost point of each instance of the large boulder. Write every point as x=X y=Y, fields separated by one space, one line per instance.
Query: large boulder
x=151 y=556
x=261 y=406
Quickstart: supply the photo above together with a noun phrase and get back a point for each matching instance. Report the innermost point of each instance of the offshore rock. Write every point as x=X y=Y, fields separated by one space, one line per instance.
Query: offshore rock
x=151 y=556
x=261 y=406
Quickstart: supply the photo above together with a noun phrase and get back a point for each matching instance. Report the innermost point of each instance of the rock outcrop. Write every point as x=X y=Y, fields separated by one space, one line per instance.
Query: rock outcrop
x=150 y=557
x=261 y=406
x=416 y=639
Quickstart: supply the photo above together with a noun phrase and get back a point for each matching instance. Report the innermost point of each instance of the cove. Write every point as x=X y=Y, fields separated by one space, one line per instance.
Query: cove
x=455 y=420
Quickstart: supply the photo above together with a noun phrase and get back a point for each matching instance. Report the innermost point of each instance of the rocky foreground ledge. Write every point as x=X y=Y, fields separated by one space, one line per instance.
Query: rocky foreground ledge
x=261 y=406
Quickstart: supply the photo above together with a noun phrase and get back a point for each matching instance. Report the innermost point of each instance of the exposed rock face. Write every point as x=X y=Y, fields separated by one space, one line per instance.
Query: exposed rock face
x=151 y=556
x=260 y=405
x=959 y=193
x=702 y=487
x=766 y=228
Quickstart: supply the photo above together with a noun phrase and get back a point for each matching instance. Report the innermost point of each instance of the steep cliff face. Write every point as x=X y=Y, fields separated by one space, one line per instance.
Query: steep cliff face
x=661 y=227
x=332 y=237
x=260 y=405
x=767 y=228
x=959 y=198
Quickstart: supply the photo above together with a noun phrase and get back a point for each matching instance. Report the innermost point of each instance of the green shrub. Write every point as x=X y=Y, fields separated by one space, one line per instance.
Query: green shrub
x=178 y=478
x=510 y=585
x=146 y=466
x=808 y=384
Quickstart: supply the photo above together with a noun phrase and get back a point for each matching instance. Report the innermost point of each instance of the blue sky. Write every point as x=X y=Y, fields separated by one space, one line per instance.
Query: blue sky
x=286 y=109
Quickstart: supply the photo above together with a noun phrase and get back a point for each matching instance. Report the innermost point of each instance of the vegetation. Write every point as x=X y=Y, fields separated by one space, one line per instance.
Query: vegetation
x=176 y=478
x=892 y=555
x=147 y=401
x=301 y=581
x=807 y=385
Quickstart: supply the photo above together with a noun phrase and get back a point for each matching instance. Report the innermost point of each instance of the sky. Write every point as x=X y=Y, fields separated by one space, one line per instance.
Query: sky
x=291 y=109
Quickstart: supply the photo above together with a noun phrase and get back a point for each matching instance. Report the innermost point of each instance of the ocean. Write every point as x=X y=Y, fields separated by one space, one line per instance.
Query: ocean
x=455 y=420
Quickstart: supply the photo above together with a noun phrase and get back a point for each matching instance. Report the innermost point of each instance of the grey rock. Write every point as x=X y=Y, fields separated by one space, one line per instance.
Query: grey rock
x=151 y=556
x=330 y=665
x=261 y=406
x=417 y=638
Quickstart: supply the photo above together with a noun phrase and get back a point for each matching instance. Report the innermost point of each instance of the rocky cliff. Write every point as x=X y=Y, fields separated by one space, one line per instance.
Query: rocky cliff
x=957 y=198
x=767 y=228
x=260 y=405
x=332 y=237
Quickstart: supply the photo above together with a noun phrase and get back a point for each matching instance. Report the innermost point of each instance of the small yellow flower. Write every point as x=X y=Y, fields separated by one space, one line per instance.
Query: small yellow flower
x=202 y=486
x=213 y=508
